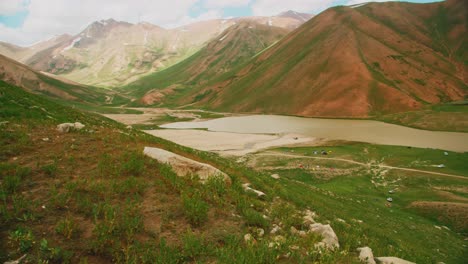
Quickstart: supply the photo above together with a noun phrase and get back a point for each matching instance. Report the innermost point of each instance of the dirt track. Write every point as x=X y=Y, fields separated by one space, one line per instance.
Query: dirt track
x=274 y=153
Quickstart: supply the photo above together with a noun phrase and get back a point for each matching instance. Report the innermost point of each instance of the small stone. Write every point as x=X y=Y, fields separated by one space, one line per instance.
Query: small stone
x=248 y=237
x=45 y=139
x=275 y=229
x=275 y=176
x=279 y=239
x=260 y=232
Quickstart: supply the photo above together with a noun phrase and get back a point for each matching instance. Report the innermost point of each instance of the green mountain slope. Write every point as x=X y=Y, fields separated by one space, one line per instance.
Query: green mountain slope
x=229 y=50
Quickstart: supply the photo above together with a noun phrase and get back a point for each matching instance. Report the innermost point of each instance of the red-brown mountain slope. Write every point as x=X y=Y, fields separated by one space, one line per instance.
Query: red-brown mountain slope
x=355 y=62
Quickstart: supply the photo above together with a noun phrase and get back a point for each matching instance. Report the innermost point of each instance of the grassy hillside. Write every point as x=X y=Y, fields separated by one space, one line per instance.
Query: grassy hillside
x=90 y=196
x=232 y=48
x=375 y=59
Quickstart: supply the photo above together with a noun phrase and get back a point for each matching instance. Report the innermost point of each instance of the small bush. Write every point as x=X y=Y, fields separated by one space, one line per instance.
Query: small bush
x=254 y=218
x=67 y=228
x=195 y=208
x=133 y=164
x=193 y=245
x=54 y=254
x=22 y=238
x=50 y=169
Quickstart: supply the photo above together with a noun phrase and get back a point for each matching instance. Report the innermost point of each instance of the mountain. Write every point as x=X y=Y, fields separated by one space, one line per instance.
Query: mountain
x=233 y=47
x=354 y=62
x=23 y=54
x=110 y=53
x=303 y=17
x=21 y=75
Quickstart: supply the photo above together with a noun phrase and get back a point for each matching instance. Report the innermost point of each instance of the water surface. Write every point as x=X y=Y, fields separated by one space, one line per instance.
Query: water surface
x=337 y=129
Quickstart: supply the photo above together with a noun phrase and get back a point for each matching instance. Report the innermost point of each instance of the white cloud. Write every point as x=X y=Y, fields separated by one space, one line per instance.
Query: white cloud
x=274 y=7
x=52 y=17
x=210 y=14
x=225 y=3
x=11 y=7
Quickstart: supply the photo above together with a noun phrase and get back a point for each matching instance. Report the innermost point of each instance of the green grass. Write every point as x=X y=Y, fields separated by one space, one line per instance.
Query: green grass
x=442 y=117
x=106 y=201
x=415 y=158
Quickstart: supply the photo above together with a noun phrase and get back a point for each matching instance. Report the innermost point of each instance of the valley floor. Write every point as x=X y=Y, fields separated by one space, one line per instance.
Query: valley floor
x=90 y=196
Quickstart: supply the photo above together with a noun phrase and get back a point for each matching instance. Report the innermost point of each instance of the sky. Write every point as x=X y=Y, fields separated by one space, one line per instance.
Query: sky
x=24 y=22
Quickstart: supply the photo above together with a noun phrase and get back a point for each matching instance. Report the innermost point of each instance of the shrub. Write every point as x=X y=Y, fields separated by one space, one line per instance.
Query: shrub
x=133 y=164
x=254 y=218
x=50 y=169
x=67 y=228
x=193 y=245
x=195 y=208
x=22 y=238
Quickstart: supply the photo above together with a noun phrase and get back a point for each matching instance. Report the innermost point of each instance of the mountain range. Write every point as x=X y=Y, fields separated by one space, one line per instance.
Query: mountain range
x=361 y=61
x=110 y=53
x=356 y=61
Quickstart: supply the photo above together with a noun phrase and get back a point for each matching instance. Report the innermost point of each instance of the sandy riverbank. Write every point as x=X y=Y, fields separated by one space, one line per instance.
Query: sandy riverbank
x=232 y=144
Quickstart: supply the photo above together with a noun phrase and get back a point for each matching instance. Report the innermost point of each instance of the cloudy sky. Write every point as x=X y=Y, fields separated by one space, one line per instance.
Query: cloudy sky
x=24 y=22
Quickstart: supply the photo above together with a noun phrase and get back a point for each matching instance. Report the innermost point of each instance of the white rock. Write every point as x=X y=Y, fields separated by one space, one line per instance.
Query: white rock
x=67 y=127
x=392 y=260
x=183 y=166
x=330 y=240
x=279 y=239
x=247 y=188
x=293 y=230
x=45 y=139
x=365 y=255
x=275 y=229
x=308 y=217
x=275 y=176
x=260 y=232
x=248 y=237
x=78 y=126
x=15 y=261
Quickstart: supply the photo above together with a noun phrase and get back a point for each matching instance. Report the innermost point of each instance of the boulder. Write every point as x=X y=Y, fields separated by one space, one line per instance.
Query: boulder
x=366 y=255
x=67 y=127
x=247 y=188
x=275 y=176
x=183 y=166
x=392 y=260
x=330 y=240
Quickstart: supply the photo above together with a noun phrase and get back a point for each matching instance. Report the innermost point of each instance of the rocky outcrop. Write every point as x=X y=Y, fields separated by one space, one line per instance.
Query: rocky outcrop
x=67 y=127
x=183 y=166
x=366 y=255
x=392 y=260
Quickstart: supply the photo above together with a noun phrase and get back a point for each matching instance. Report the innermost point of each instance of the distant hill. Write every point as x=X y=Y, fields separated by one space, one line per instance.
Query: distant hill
x=111 y=53
x=21 y=75
x=354 y=62
x=235 y=46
